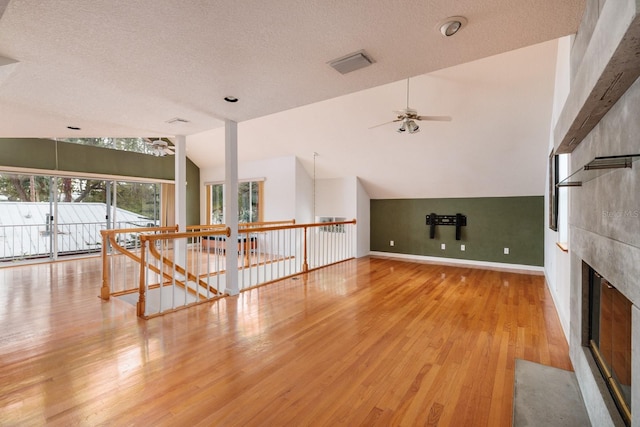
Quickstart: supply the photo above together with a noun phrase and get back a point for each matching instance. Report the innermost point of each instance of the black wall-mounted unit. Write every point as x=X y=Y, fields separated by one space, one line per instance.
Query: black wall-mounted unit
x=458 y=220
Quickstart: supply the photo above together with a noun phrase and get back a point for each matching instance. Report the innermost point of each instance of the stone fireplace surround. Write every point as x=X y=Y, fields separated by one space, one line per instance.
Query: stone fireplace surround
x=604 y=214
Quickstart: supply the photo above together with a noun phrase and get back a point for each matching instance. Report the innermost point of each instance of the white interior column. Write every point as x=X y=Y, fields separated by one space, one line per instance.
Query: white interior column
x=181 y=195
x=231 y=204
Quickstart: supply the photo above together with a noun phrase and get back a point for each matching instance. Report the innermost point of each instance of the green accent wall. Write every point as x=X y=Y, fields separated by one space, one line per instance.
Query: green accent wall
x=493 y=223
x=105 y=161
x=193 y=192
x=28 y=153
x=33 y=153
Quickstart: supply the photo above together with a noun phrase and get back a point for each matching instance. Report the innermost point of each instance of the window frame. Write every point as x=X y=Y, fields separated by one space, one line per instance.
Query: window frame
x=554 y=175
x=210 y=199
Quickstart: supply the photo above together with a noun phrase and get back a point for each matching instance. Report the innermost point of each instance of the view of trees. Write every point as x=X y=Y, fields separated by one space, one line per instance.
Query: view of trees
x=136 y=145
x=141 y=198
x=24 y=188
x=248 y=202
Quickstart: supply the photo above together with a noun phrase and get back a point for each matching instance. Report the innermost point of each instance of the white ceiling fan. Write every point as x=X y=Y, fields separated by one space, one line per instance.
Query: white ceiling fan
x=408 y=117
x=159 y=147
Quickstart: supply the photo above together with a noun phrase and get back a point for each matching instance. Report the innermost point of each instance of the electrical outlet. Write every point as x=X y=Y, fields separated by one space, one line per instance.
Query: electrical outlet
x=391 y=243
x=506 y=251
x=443 y=246
x=462 y=248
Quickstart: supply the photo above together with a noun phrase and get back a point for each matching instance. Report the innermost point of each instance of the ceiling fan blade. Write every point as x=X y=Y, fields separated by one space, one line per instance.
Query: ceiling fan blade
x=386 y=123
x=435 y=118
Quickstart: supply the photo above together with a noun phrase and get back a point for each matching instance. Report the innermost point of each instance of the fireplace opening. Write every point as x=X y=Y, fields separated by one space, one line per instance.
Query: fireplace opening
x=610 y=339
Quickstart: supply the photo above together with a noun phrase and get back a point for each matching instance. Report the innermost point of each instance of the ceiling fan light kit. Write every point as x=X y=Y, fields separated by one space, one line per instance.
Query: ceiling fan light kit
x=409 y=116
x=160 y=147
x=408 y=126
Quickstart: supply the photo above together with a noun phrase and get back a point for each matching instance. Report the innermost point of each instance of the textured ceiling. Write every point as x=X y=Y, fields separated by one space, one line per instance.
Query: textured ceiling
x=496 y=145
x=123 y=68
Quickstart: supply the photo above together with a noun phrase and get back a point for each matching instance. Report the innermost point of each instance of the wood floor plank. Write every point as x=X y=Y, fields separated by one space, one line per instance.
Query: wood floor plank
x=368 y=342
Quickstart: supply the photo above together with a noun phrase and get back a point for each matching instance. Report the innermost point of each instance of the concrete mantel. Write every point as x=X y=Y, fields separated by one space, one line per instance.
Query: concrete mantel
x=599 y=118
x=613 y=58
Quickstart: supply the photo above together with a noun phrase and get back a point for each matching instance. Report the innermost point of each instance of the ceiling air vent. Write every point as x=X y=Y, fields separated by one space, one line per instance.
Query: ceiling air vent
x=353 y=61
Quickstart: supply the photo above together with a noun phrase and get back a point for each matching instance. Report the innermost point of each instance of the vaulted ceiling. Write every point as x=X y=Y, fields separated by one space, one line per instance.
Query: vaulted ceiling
x=496 y=144
x=123 y=68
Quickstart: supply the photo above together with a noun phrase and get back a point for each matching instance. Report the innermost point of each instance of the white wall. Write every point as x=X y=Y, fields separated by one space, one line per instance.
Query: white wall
x=289 y=192
x=336 y=197
x=556 y=261
x=347 y=198
x=363 y=218
x=303 y=195
x=279 y=185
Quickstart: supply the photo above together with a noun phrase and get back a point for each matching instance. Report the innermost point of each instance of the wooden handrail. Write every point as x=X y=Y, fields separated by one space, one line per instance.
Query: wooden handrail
x=153 y=251
x=110 y=237
x=190 y=276
x=205 y=227
x=140 y=307
x=114 y=243
x=187 y=234
x=140 y=261
x=293 y=226
x=147 y=244
x=265 y=223
x=105 y=291
x=241 y=225
x=178 y=268
x=305 y=263
x=138 y=230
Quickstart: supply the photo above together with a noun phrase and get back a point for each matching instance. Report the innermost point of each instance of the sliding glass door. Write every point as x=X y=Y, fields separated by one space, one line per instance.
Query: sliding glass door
x=27 y=216
x=47 y=217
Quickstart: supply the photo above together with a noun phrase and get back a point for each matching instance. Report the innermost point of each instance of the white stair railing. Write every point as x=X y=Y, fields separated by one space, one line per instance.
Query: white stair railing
x=177 y=270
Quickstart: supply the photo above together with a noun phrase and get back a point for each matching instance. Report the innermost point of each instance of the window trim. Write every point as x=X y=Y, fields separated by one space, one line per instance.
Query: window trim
x=554 y=175
x=209 y=199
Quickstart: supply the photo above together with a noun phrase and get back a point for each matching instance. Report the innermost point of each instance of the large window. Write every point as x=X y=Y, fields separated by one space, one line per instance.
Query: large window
x=48 y=216
x=250 y=196
x=136 y=145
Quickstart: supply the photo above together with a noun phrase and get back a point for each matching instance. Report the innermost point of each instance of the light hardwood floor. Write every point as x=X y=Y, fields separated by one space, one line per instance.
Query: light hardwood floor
x=366 y=342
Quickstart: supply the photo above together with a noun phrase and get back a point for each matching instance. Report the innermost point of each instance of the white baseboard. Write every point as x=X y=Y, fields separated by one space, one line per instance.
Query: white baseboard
x=564 y=320
x=499 y=266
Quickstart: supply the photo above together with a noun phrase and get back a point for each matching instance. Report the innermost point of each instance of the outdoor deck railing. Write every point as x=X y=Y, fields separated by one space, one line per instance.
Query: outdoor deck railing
x=23 y=242
x=176 y=270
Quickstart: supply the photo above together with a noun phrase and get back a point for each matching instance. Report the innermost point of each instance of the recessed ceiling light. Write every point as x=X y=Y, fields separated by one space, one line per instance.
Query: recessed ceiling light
x=73 y=127
x=231 y=99
x=452 y=25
